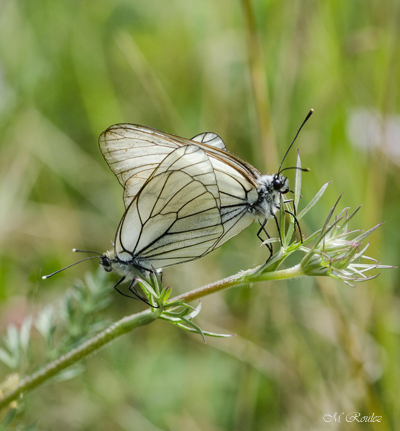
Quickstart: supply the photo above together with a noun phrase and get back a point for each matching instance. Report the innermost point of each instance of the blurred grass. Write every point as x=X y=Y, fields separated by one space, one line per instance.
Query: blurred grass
x=305 y=349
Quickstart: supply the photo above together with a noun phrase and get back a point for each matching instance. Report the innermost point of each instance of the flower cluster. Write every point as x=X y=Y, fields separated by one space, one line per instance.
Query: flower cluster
x=337 y=251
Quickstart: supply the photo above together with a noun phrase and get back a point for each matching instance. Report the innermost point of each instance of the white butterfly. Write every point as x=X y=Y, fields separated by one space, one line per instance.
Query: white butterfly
x=183 y=197
x=165 y=224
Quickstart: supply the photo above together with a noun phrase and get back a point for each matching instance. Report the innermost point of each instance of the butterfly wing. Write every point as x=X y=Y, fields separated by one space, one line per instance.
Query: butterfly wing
x=134 y=152
x=236 y=186
x=175 y=217
x=211 y=139
x=195 y=162
x=237 y=196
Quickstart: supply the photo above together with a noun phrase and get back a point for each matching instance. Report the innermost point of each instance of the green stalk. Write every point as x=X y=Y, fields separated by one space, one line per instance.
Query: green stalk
x=134 y=321
x=245 y=277
x=117 y=329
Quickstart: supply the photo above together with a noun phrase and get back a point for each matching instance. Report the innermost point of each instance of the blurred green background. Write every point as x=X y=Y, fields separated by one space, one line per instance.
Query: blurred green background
x=303 y=349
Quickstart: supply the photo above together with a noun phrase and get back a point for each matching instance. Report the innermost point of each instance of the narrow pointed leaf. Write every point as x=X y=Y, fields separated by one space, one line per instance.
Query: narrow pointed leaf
x=297 y=181
x=313 y=201
x=146 y=287
x=282 y=221
x=194 y=326
x=7 y=359
x=25 y=333
x=196 y=311
x=344 y=227
x=368 y=232
x=269 y=241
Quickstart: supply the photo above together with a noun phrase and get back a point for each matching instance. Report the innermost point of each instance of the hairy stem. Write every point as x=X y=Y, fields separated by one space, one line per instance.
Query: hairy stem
x=240 y=279
x=117 y=329
x=134 y=321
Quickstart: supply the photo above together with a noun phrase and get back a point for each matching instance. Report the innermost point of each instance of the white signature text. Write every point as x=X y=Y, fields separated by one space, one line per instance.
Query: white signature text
x=351 y=417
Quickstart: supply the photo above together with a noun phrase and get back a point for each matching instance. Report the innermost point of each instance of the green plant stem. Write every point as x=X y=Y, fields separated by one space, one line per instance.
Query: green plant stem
x=240 y=279
x=134 y=321
x=117 y=329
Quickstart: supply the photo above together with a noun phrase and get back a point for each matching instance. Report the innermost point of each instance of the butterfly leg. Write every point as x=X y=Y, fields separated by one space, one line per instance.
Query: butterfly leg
x=296 y=222
x=122 y=293
x=294 y=215
x=294 y=206
x=262 y=228
x=269 y=246
x=277 y=226
x=138 y=296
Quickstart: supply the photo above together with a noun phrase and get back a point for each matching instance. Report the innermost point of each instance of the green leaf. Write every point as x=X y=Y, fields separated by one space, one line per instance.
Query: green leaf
x=194 y=326
x=196 y=311
x=290 y=229
x=215 y=335
x=147 y=287
x=176 y=303
x=25 y=334
x=156 y=281
x=269 y=241
x=170 y=316
x=312 y=237
x=7 y=359
x=45 y=325
x=209 y=334
x=282 y=222
x=368 y=232
x=13 y=345
x=165 y=294
x=313 y=201
x=297 y=181
x=68 y=374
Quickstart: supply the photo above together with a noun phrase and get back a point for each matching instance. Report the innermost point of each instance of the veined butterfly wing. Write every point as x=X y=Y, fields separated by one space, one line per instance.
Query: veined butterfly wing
x=237 y=195
x=210 y=138
x=133 y=153
x=175 y=217
x=182 y=200
x=194 y=161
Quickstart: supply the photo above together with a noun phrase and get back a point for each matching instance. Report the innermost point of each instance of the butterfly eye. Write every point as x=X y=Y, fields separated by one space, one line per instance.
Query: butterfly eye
x=105 y=262
x=277 y=183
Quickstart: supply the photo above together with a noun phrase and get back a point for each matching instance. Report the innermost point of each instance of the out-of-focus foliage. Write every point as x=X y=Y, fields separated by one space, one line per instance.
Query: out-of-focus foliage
x=304 y=349
x=76 y=318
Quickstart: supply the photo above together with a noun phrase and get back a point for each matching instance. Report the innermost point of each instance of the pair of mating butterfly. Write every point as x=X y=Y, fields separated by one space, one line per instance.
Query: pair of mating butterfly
x=183 y=198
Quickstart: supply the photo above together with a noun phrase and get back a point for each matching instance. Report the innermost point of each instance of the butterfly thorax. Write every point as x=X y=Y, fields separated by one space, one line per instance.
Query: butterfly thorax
x=269 y=191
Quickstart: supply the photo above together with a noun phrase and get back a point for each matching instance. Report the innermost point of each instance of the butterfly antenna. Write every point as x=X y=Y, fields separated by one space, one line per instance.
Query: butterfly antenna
x=75 y=250
x=69 y=266
x=297 y=134
x=296 y=167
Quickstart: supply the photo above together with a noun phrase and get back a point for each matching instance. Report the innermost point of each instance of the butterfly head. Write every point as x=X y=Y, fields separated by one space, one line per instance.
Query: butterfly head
x=269 y=191
x=111 y=262
x=280 y=184
x=271 y=186
x=106 y=262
